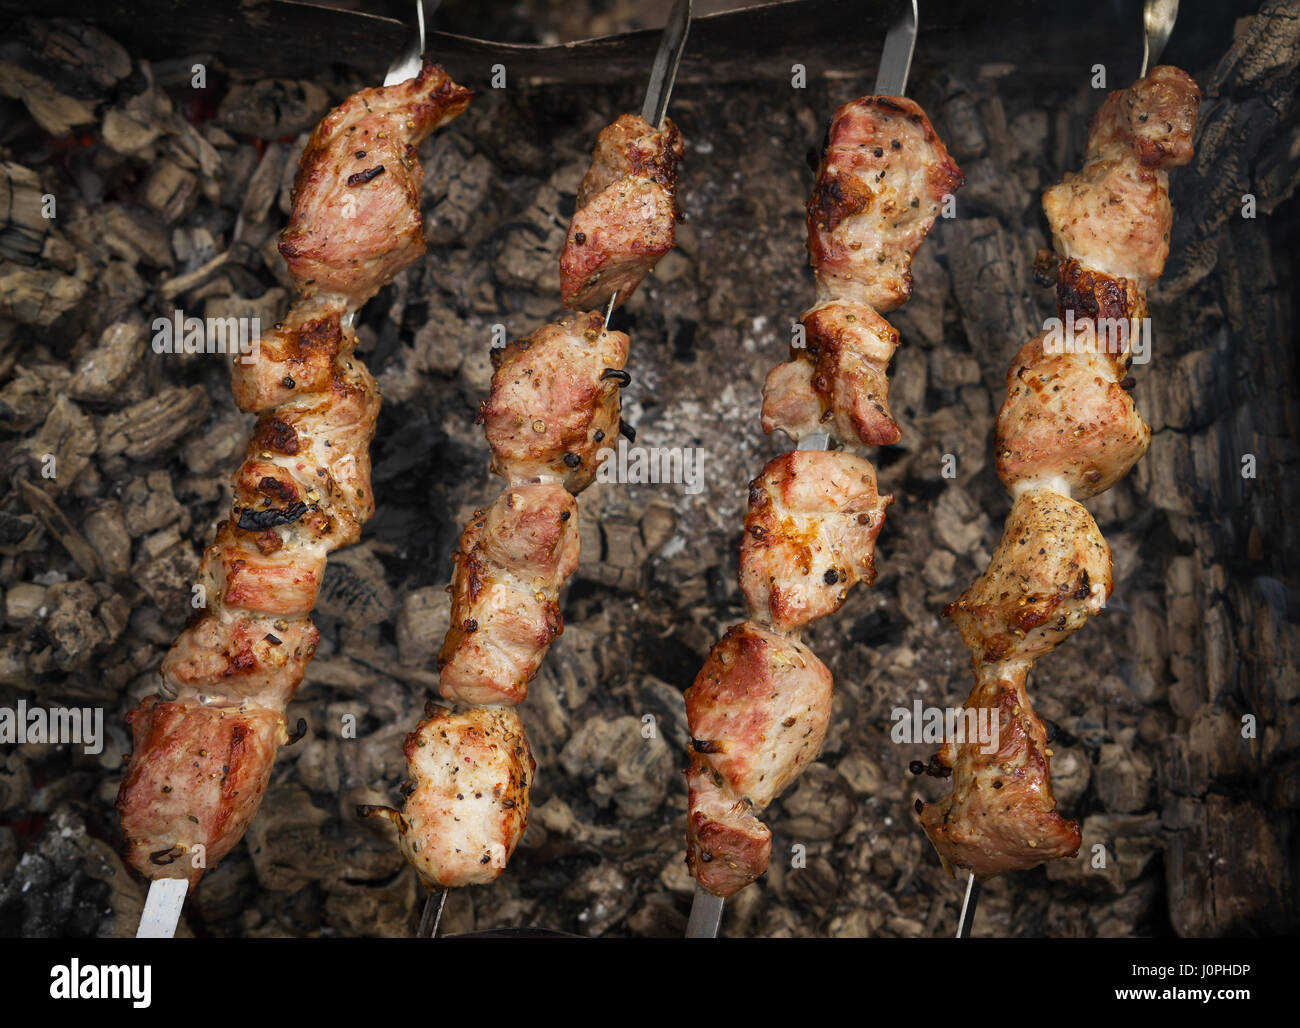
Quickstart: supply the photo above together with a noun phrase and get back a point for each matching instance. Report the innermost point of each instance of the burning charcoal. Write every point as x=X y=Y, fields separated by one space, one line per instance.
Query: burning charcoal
x=22 y=232
x=603 y=896
x=71 y=625
x=153 y=426
x=104 y=371
x=272 y=108
x=27 y=397
x=620 y=765
x=24 y=601
x=1123 y=779
x=63 y=448
x=149 y=504
x=819 y=807
x=37 y=297
x=170 y=191
x=264 y=186
x=421 y=625
x=105 y=529
x=354 y=587
x=71 y=886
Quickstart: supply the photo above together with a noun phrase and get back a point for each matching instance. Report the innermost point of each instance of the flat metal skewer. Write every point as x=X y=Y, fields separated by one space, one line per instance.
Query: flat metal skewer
x=968 y=906
x=706 y=914
x=1158 y=17
x=891 y=80
x=431 y=915
x=166 y=896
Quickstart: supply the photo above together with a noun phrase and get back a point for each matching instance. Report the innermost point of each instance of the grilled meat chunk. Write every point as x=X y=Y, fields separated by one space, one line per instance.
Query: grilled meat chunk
x=513 y=559
x=881 y=183
x=237 y=657
x=554 y=403
x=356 y=220
x=758 y=711
x=810 y=536
x=1068 y=417
x=195 y=779
x=727 y=847
x=626 y=213
x=848 y=347
x=468 y=806
x=1097 y=297
x=1001 y=815
x=1114 y=216
x=1049 y=574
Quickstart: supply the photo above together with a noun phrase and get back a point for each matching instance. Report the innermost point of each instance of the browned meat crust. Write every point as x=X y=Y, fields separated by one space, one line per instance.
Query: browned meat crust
x=626 y=213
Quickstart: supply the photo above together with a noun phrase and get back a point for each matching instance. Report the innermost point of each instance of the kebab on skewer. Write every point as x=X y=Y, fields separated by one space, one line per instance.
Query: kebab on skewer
x=205 y=743
x=1068 y=430
x=552 y=408
x=759 y=709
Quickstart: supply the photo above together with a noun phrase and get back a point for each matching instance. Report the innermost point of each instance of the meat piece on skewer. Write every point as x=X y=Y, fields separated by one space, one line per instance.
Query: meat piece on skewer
x=1049 y=574
x=356 y=218
x=467 y=808
x=881 y=183
x=1114 y=215
x=514 y=558
x=1001 y=815
x=1092 y=295
x=727 y=846
x=1067 y=416
x=626 y=214
x=847 y=349
x=239 y=658
x=758 y=712
x=206 y=771
x=810 y=536
x=554 y=403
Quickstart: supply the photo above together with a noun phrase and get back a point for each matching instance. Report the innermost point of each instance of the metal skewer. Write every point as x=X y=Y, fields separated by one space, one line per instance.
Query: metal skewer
x=663 y=73
x=662 y=76
x=1158 y=17
x=431 y=915
x=166 y=896
x=891 y=80
x=968 y=906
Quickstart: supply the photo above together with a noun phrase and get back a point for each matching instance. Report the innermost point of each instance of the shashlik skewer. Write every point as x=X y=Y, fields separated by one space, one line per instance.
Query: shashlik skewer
x=759 y=709
x=553 y=406
x=205 y=744
x=1067 y=429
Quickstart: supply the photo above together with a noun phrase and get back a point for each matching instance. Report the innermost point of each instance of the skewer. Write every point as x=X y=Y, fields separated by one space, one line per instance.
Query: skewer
x=968 y=906
x=1158 y=17
x=662 y=76
x=891 y=80
x=431 y=915
x=166 y=896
